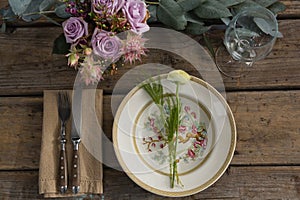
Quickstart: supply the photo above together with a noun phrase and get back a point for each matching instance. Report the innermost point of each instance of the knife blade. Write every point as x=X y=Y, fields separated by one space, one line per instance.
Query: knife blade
x=75 y=137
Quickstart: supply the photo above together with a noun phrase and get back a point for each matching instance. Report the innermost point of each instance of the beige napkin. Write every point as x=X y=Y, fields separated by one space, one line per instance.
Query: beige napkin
x=90 y=148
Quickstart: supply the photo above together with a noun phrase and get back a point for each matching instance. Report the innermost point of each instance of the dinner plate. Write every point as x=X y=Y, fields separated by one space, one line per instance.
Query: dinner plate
x=206 y=138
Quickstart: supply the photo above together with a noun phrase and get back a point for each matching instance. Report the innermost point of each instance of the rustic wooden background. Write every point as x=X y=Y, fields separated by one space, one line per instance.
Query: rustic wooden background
x=265 y=103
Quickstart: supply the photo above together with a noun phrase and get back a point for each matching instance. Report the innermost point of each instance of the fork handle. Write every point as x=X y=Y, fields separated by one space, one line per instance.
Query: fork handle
x=63 y=170
x=76 y=167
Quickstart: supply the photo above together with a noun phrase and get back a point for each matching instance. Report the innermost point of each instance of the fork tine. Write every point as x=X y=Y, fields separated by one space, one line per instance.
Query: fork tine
x=64 y=107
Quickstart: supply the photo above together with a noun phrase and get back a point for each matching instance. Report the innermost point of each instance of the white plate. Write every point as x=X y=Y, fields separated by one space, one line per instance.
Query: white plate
x=143 y=155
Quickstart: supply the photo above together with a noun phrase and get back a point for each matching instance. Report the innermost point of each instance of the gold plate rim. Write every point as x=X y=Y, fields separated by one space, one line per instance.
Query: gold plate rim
x=197 y=189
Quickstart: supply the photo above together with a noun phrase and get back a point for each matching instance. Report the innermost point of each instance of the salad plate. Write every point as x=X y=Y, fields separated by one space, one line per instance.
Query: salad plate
x=206 y=138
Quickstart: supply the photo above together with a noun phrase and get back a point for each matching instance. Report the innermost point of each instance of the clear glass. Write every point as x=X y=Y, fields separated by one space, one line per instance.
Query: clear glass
x=249 y=37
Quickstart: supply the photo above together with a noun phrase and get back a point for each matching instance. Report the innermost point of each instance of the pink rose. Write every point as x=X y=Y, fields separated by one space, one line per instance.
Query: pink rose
x=136 y=13
x=106 y=45
x=74 y=28
x=107 y=6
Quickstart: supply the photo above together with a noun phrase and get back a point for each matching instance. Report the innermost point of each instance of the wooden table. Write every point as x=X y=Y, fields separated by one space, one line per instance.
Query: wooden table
x=265 y=103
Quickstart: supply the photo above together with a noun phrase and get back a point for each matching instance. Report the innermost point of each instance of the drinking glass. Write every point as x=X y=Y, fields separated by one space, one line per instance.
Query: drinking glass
x=249 y=37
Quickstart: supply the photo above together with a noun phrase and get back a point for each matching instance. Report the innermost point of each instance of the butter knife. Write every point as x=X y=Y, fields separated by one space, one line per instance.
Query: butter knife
x=75 y=137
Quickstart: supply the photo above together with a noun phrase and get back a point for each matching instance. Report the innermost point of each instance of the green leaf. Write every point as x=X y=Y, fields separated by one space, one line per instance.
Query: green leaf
x=60 y=45
x=247 y=33
x=60 y=11
x=246 y=5
x=191 y=17
x=277 y=7
x=229 y=3
x=8 y=14
x=170 y=13
x=264 y=26
x=33 y=7
x=265 y=3
x=19 y=6
x=46 y=4
x=188 y=5
x=3 y=27
x=209 y=46
x=51 y=20
x=196 y=29
x=153 y=10
x=225 y=20
x=212 y=10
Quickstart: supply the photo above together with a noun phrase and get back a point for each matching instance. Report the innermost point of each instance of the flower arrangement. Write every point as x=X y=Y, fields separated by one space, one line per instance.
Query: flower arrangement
x=91 y=29
x=92 y=32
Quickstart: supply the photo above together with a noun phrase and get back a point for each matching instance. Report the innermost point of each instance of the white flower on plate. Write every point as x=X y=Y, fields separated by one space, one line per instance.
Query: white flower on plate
x=179 y=76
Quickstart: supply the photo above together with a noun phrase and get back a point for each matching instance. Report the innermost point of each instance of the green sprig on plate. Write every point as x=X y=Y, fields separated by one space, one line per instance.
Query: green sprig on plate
x=172 y=119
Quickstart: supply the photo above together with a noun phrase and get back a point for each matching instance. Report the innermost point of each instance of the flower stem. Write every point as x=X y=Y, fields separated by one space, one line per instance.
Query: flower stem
x=174 y=143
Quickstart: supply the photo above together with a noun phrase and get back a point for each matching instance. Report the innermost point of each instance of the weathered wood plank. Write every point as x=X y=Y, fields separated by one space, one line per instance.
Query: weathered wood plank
x=20 y=132
x=267 y=124
x=237 y=183
x=28 y=67
x=292 y=8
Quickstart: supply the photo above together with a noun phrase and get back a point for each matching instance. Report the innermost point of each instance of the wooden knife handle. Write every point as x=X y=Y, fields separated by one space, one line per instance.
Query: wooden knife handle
x=63 y=170
x=76 y=168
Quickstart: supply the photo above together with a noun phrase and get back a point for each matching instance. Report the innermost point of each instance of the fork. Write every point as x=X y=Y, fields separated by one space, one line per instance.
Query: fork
x=64 y=110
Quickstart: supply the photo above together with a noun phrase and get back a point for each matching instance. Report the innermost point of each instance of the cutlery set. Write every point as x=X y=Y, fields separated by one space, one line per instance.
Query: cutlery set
x=64 y=112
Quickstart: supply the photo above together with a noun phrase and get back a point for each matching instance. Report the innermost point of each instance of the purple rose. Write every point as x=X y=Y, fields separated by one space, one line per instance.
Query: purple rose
x=136 y=12
x=74 y=28
x=109 y=6
x=106 y=45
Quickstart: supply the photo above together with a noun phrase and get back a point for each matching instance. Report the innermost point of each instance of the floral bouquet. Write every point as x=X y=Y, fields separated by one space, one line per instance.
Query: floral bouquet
x=92 y=32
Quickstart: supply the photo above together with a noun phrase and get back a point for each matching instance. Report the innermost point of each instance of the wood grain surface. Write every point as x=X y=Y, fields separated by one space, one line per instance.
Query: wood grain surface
x=28 y=67
x=239 y=182
x=265 y=104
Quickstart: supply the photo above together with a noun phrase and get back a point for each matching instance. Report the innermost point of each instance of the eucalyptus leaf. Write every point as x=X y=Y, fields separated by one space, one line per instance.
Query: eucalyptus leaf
x=212 y=10
x=19 y=6
x=265 y=3
x=279 y=35
x=60 y=11
x=196 y=29
x=3 y=27
x=188 y=5
x=51 y=20
x=264 y=26
x=209 y=46
x=229 y=3
x=8 y=14
x=246 y=32
x=47 y=4
x=171 y=14
x=277 y=7
x=153 y=10
x=33 y=7
x=60 y=45
x=225 y=20
x=245 y=5
x=191 y=17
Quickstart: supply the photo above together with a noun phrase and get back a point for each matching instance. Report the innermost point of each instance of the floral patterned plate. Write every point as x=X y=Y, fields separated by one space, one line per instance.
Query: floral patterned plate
x=206 y=140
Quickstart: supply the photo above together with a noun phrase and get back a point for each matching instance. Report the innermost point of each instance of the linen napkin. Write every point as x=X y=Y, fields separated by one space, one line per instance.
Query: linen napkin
x=90 y=148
